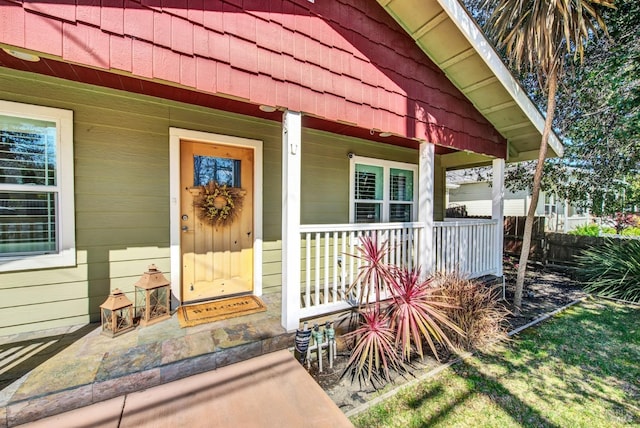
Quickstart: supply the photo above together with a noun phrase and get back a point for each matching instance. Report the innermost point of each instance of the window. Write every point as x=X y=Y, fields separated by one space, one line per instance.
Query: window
x=382 y=191
x=225 y=172
x=37 y=227
x=549 y=204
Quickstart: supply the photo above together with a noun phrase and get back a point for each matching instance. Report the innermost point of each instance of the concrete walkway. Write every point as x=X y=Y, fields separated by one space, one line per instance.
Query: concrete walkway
x=272 y=390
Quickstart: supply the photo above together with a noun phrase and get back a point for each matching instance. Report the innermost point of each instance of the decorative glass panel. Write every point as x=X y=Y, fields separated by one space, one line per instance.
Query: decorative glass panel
x=369 y=182
x=400 y=212
x=401 y=188
x=27 y=222
x=221 y=170
x=27 y=151
x=368 y=212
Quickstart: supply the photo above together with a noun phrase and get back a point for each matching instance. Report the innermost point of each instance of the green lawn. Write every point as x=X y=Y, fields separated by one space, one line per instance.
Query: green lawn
x=579 y=369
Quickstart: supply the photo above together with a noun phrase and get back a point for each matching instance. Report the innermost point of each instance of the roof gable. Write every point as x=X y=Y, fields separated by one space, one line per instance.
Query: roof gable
x=450 y=37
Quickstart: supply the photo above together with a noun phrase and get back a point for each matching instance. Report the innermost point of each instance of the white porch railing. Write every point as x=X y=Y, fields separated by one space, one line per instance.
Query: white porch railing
x=466 y=246
x=328 y=265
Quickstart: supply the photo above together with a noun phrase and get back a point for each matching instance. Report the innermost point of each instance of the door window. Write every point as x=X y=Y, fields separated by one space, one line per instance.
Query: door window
x=225 y=172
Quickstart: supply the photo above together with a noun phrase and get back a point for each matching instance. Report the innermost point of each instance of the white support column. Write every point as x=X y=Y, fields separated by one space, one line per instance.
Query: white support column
x=291 y=173
x=497 y=209
x=426 y=186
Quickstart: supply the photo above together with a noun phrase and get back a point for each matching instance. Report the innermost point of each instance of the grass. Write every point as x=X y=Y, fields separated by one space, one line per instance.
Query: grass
x=579 y=369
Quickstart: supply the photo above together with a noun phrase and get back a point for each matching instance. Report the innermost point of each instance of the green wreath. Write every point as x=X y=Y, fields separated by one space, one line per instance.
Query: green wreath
x=219 y=205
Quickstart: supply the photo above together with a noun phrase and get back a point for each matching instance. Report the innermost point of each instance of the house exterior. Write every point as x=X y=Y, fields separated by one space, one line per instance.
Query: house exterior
x=334 y=119
x=475 y=196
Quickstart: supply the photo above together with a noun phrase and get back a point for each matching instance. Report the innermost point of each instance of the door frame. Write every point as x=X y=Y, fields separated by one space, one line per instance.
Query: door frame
x=175 y=136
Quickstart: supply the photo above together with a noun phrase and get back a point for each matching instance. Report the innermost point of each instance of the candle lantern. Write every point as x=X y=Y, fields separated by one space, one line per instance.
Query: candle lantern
x=152 y=297
x=116 y=314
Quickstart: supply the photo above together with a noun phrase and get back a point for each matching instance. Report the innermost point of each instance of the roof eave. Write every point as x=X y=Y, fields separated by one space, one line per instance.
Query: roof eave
x=505 y=116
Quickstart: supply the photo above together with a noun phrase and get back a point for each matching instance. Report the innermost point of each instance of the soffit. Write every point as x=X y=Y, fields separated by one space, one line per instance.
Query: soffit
x=453 y=41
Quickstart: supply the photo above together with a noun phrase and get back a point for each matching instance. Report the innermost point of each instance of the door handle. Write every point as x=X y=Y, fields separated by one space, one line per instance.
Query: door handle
x=185 y=228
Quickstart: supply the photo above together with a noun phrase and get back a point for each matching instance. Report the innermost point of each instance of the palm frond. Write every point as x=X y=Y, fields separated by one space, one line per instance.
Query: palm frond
x=537 y=34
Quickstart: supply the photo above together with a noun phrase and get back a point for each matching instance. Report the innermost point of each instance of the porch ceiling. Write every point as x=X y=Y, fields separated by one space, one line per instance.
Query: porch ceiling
x=454 y=42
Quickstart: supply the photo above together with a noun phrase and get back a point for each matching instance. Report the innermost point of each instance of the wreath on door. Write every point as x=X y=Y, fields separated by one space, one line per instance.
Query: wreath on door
x=219 y=205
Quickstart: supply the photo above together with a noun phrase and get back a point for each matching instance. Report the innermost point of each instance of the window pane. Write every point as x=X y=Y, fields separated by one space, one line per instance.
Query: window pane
x=27 y=222
x=400 y=212
x=369 y=182
x=401 y=185
x=223 y=171
x=367 y=212
x=27 y=151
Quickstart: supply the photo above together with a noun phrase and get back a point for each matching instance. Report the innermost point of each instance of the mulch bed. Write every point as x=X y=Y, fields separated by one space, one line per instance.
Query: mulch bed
x=545 y=291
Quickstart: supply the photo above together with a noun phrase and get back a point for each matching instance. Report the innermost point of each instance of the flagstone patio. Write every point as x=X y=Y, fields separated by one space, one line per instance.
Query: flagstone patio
x=78 y=366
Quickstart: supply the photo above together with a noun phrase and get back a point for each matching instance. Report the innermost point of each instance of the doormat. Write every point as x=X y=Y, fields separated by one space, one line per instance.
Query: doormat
x=201 y=313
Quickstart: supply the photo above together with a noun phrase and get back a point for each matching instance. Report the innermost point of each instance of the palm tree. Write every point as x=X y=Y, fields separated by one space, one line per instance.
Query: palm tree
x=541 y=34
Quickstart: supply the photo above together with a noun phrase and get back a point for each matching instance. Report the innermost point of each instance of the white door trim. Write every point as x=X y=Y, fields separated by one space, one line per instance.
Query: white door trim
x=175 y=136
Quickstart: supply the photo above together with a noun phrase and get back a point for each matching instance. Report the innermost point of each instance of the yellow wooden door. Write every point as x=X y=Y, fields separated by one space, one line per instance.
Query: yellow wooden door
x=217 y=261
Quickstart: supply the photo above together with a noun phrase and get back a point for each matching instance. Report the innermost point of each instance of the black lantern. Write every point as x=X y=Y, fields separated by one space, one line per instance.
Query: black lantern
x=152 y=297
x=116 y=314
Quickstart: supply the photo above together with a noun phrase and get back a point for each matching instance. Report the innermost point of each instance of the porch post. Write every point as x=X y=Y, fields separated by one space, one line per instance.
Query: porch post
x=291 y=153
x=497 y=209
x=426 y=180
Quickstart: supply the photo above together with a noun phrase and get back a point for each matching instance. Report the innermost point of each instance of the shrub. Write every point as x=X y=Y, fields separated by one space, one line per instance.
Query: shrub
x=477 y=311
x=417 y=313
x=374 y=350
x=612 y=269
x=632 y=231
x=388 y=334
x=591 y=230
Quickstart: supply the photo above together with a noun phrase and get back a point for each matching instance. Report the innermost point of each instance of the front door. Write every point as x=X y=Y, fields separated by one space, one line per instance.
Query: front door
x=217 y=258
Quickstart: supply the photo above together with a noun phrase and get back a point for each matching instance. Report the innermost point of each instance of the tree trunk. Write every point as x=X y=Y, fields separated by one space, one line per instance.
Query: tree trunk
x=535 y=192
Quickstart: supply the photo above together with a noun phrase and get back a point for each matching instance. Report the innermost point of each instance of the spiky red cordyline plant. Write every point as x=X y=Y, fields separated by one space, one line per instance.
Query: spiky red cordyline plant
x=374 y=352
x=416 y=314
x=411 y=316
x=374 y=273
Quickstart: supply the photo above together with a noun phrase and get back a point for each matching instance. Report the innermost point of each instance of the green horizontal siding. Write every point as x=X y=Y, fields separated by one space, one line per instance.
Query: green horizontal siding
x=121 y=155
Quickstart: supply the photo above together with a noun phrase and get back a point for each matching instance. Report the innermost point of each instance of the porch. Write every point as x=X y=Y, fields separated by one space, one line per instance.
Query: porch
x=48 y=372
x=319 y=261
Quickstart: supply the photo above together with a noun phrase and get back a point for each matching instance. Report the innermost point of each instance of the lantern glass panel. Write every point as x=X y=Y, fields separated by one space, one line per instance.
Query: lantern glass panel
x=124 y=320
x=107 y=320
x=158 y=302
x=141 y=302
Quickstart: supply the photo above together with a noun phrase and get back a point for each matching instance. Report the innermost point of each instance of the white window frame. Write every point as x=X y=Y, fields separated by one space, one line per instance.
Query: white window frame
x=386 y=166
x=65 y=221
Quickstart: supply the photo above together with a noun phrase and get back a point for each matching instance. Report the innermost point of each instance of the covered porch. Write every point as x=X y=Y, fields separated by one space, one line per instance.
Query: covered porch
x=319 y=261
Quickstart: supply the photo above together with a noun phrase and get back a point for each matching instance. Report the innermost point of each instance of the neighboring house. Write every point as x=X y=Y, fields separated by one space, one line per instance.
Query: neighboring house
x=470 y=191
x=335 y=118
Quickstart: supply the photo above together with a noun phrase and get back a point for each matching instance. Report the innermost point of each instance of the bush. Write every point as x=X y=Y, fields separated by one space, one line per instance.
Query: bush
x=478 y=311
x=632 y=231
x=390 y=332
x=591 y=230
x=612 y=269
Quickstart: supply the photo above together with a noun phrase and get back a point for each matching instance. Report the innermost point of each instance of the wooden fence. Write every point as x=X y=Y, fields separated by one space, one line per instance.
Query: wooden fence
x=514 y=231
